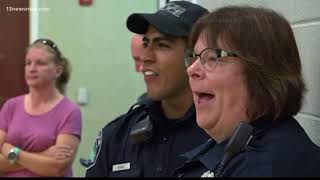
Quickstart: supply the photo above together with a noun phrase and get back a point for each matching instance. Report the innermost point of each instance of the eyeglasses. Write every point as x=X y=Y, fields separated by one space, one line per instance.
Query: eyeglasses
x=48 y=42
x=209 y=57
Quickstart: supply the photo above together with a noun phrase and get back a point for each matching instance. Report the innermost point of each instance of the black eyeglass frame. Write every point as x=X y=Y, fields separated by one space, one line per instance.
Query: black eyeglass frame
x=220 y=53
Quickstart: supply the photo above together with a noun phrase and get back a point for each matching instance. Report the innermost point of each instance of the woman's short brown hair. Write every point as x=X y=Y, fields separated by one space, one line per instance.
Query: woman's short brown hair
x=265 y=43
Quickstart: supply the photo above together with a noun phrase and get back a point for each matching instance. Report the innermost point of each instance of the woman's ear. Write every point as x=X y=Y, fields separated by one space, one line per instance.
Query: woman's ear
x=59 y=70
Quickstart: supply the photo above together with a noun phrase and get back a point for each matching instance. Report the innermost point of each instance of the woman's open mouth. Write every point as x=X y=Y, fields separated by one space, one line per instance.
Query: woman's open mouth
x=203 y=98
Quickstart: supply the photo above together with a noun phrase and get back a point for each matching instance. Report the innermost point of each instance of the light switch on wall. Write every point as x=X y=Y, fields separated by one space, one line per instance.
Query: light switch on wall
x=82 y=96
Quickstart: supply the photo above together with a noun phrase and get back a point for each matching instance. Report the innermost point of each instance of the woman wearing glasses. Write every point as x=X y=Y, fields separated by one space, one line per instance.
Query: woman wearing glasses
x=245 y=75
x=40 y=131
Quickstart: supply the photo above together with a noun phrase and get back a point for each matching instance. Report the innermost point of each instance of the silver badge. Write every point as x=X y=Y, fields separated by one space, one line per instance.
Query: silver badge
x=207 y=174
x=121 y=167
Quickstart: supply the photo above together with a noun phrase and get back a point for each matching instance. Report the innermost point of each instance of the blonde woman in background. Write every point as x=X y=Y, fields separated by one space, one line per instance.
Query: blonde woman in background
x=40 y=131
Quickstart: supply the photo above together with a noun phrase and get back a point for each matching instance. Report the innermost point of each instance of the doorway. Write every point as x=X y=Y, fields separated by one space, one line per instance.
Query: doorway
x=13 y=42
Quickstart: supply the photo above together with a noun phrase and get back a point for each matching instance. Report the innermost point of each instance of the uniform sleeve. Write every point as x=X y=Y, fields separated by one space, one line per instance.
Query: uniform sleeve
x=6 y=115
x=72 y=123
x=98 y=158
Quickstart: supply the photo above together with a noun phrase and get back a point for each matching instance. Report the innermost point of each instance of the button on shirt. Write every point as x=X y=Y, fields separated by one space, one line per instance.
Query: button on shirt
x=164 y=139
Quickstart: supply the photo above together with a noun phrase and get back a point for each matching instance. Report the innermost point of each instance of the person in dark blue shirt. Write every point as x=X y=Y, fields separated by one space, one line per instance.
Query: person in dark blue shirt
x=147 y=141
x=246 y=77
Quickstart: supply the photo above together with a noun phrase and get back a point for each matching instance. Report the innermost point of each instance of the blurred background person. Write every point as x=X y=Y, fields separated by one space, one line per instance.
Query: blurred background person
x=137 y=50
x=40 y=131
x=245 y=72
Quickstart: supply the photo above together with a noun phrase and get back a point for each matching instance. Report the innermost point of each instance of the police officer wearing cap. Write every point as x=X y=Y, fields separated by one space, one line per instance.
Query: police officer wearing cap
x=246 y=95
x=148 y=139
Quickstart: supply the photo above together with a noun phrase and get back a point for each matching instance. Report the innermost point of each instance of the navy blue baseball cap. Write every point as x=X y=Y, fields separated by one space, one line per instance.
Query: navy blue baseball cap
x=175 y=18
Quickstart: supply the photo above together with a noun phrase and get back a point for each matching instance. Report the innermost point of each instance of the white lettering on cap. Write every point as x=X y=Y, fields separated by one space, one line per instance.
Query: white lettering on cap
x=174 y=9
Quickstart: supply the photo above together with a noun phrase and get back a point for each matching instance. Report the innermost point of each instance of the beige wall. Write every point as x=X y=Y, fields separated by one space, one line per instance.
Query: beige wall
x=96 y=41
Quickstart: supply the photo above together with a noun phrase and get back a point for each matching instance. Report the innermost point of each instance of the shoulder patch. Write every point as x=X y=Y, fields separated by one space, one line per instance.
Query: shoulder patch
x=95 y=149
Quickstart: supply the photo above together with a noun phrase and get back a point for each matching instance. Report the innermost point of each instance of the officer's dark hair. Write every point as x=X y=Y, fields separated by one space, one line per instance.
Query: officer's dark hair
x=265 y=44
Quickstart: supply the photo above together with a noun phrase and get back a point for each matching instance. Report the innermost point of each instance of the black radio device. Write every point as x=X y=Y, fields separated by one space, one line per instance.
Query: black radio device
x=236 y=144
x=142 y=131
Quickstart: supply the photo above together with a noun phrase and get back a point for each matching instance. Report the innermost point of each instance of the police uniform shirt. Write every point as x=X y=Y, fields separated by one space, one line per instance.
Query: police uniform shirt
x=282 y=149
x=117 y=156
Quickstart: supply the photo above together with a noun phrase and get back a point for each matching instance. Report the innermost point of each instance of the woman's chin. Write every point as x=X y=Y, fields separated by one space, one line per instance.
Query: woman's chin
x=203 y=122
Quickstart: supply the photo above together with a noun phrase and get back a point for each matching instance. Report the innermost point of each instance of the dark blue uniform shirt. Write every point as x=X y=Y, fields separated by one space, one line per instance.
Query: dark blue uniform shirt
x=276 y=149
x=118 y=156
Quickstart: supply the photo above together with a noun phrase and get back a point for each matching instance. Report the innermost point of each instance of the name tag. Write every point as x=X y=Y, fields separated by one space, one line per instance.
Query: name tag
x=121 y=167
